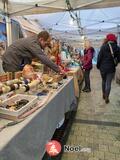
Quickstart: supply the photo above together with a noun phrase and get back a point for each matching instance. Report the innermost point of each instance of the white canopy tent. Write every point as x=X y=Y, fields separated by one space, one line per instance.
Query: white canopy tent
x=95 y=24
x=23 y=7
x=12 y=8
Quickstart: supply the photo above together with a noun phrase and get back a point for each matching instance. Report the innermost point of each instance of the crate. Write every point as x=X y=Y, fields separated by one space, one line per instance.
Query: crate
x=13 y=115
x=5 y=77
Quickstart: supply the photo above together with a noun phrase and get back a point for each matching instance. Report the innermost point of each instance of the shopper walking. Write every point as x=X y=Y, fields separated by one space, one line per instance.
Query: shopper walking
x=87 y=64
x=109 y=53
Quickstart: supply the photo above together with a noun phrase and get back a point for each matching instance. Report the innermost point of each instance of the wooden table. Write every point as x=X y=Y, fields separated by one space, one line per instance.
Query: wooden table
x=77 y=74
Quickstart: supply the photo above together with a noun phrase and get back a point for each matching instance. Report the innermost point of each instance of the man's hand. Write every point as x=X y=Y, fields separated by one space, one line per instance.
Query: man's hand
x=61 y=70
x=63 y=73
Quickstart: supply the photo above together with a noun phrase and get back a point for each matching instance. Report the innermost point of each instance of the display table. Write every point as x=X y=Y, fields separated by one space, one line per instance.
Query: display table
x=26 y=140
x=77 y=74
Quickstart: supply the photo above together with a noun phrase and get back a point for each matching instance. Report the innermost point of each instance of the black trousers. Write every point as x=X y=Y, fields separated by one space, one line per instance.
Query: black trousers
x=106 y=82
x=87 y=79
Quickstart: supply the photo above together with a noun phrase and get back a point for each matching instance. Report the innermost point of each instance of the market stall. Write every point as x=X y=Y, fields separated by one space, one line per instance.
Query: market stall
x=24 y=137
x=26 y=140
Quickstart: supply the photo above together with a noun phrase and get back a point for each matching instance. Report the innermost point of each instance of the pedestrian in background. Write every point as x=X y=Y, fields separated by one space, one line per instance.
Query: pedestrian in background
x=87 y=64
x=106 y=64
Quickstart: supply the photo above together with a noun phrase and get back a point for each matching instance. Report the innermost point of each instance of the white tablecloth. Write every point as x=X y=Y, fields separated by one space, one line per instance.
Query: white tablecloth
x=26 y=140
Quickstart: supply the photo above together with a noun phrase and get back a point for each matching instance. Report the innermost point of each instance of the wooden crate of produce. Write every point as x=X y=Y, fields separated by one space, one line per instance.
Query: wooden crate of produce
x=5 y=77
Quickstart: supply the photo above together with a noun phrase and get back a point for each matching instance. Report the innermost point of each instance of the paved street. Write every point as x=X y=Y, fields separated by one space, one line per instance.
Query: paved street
x=96 y=128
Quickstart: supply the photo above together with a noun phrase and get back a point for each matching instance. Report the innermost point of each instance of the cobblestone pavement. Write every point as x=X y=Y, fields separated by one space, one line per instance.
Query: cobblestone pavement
x=96 y=128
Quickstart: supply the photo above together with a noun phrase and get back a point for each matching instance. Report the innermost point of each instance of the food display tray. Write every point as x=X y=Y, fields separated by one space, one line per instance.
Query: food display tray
x=8 y=114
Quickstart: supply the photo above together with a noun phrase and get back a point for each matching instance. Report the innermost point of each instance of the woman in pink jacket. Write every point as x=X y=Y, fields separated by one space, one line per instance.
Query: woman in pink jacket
x=87 y=65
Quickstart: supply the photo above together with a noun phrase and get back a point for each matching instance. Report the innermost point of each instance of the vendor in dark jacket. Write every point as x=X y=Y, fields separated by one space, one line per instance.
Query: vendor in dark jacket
x=87 y=65
x=22 y=51
x=106 y=65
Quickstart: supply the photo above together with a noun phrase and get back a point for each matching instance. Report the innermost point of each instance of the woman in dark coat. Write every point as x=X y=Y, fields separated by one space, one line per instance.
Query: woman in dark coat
x=87 y=65
x=106 y=65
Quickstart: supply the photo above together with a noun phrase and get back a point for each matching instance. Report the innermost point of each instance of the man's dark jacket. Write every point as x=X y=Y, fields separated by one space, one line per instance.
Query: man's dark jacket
x=105 y=60
x=22 y=52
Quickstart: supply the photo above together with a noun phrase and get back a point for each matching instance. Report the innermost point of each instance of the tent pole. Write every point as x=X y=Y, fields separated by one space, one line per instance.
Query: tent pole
x=118 y=31
x=8 y=30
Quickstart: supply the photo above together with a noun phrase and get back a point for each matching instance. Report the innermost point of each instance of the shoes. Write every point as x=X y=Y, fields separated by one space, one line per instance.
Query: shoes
x=107 y=100
x=86 y=90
